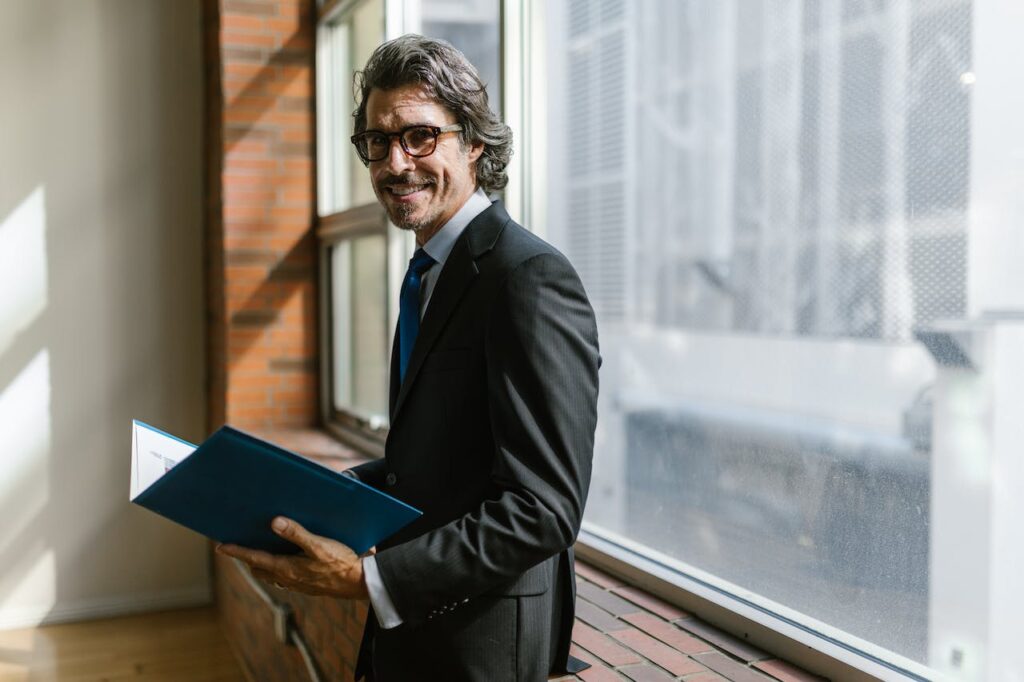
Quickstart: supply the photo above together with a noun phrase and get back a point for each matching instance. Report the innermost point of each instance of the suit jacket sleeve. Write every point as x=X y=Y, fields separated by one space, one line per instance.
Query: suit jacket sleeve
x=542 y=360
x=371 y=473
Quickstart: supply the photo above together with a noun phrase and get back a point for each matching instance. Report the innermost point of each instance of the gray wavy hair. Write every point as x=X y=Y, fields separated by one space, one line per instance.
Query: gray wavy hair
x=449 y=77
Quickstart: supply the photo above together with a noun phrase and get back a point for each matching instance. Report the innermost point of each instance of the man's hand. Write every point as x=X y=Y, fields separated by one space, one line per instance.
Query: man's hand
x=326 y=567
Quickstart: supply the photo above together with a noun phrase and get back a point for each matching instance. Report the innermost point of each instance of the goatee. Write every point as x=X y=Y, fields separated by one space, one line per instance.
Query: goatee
x=401 y=214
x=401 y=217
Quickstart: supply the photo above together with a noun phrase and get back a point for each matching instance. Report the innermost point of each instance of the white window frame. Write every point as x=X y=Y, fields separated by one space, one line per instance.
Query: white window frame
x=400 y=16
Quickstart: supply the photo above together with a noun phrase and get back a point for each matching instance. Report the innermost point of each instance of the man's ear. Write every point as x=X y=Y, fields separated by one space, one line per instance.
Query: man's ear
x=476 y=150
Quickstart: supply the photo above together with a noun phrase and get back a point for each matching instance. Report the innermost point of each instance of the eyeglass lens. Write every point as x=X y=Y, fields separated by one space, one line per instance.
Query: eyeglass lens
x=417 y=141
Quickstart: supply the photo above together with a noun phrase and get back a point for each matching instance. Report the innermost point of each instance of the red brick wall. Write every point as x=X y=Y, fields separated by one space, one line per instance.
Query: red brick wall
x=331 y=629
x=261 y=255
x=262 y=291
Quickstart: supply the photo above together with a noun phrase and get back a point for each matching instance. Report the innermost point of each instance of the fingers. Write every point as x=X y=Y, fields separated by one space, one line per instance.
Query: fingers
x=294 y=532
x=314 y=546
x=271 y=569
x=253 y=557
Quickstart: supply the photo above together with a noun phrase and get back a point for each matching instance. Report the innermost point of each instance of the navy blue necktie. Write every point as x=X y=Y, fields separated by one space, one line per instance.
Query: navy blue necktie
x=409 y=308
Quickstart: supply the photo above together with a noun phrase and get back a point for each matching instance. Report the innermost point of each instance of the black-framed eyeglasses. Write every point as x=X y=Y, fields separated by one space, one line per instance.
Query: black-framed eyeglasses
x=417 y=141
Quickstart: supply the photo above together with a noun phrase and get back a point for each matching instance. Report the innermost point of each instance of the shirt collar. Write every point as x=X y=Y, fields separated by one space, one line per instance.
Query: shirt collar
x=441 y=244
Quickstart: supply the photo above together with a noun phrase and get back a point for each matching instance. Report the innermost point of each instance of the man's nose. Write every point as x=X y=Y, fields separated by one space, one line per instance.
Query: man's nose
x=398 y=160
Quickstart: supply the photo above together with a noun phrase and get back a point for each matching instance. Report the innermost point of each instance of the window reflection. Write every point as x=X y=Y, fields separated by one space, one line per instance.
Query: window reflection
x=359 y=293
x=765 y=202
x=473 y=27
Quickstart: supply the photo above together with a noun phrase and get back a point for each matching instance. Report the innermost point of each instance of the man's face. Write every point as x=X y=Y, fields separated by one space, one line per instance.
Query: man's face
x=419 y=194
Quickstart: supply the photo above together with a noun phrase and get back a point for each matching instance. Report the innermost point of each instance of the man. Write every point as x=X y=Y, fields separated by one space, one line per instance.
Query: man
x=493 y=401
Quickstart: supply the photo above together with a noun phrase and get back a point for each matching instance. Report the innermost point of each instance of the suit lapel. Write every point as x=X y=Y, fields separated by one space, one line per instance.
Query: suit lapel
x=459 y=270
x=393 y=376
x=456 y=276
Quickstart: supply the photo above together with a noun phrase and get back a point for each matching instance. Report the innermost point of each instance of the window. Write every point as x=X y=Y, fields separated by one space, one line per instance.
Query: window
x=770 y=204
x=344 y=43
x=363 y=258
x=356 y=244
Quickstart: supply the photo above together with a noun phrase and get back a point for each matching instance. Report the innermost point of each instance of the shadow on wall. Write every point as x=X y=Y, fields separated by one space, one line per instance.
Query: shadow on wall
x=101 y=305
x=257 y=173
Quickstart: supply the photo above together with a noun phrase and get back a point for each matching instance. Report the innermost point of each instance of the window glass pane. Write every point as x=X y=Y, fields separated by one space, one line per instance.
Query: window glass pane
x=473 y=27
x=360 y=327
x=346 y=44
x=368 y=28
x=767 y=201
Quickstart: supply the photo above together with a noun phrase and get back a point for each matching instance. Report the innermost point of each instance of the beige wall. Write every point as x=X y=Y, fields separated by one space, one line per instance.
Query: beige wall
x=101 y=299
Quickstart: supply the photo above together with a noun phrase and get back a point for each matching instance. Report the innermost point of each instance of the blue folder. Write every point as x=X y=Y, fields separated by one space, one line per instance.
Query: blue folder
x=233 y=485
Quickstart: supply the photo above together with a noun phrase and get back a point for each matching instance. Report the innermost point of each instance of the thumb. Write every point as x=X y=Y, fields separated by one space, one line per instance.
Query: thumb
x=292 y=531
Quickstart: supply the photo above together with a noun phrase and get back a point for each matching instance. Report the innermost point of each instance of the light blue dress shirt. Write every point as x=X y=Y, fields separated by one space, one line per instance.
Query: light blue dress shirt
x=439 y=247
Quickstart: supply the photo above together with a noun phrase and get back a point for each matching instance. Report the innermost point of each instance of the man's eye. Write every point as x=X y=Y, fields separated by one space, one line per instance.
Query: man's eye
x=417 y=137
x=376 y=141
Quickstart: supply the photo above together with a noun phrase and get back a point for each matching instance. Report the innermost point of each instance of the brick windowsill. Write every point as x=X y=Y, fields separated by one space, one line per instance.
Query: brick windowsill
x=622 y=631
x=316 y=444
x=628 y=634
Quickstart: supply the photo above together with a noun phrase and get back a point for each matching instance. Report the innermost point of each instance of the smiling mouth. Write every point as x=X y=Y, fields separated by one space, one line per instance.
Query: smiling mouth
x=402 y=191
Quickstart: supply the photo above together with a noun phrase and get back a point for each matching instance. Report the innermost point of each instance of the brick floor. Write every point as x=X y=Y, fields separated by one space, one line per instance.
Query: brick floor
x=645 y=673
x=668 y=633
x=627 y=634
x=601 y=619
x=787 y=672
x=734 y=645
x=730 y=668
x=602 y=646
x=608 y=601
x=650 y=603
x=676 y=662
x=595 y=576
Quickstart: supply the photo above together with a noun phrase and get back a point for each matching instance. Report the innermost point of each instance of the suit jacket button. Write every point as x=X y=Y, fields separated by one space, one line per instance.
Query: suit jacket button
x=391 y=479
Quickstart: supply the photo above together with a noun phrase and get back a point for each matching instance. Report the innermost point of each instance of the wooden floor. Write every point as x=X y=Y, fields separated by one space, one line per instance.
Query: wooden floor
x=174 y=646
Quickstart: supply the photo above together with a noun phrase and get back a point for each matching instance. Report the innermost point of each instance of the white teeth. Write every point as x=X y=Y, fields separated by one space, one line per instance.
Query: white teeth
x=403 y=191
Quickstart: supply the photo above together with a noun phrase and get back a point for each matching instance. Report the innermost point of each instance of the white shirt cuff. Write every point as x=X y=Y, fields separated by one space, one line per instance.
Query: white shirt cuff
x=387 y=616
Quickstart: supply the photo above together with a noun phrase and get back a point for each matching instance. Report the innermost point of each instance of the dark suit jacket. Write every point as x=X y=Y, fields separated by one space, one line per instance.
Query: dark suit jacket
x=491 y=436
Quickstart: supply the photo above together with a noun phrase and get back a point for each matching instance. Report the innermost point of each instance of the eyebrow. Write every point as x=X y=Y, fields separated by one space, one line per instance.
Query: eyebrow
x=410 y=125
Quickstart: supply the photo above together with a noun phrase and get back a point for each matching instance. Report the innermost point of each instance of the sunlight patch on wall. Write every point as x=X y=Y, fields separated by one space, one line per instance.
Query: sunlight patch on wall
x=35 y=595
x=25 y=431
x=22 y=266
